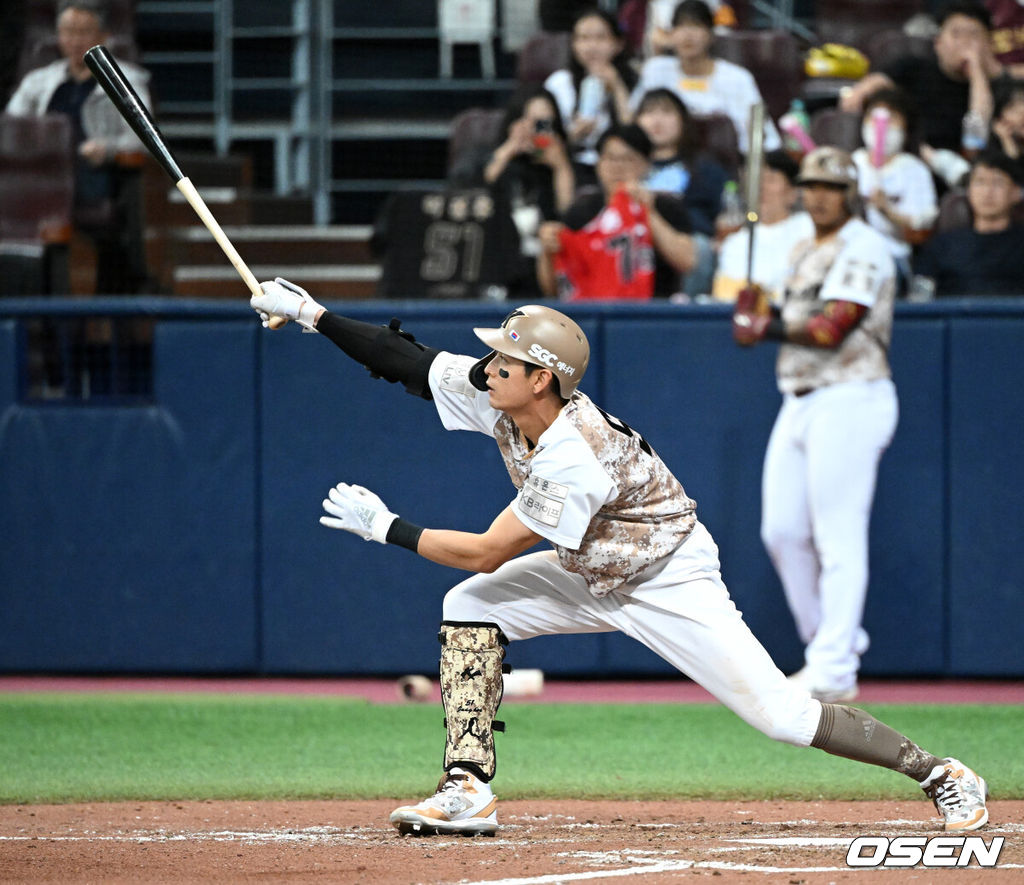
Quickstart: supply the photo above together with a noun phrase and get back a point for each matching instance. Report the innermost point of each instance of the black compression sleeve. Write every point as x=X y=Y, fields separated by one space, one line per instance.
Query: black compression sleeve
x=403 y=533
x=387 y=351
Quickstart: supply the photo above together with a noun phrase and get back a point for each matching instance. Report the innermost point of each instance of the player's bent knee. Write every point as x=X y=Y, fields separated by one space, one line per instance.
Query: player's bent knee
x=795 y=722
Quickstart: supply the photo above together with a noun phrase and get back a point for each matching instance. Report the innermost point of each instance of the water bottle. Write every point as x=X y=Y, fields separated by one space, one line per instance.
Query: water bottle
x=591 y=97
x=732 y=216
x=974 y=134
x=796 y=127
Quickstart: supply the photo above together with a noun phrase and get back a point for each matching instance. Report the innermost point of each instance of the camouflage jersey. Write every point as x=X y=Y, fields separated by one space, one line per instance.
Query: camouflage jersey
x=854 y=265
x=591 y=485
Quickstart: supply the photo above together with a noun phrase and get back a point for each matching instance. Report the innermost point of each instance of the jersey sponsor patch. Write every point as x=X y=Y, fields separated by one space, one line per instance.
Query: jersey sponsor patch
x=456 y=379
x=543 y=500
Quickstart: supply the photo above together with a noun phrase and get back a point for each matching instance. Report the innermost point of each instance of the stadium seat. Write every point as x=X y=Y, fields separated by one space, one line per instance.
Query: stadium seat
x=954 y=211
x=471 y=129
x=854 y=22
x=716 y=134
x=884 y=47
x=772 y=56
x=544 y=53
x=36 y=192
x=835 y=127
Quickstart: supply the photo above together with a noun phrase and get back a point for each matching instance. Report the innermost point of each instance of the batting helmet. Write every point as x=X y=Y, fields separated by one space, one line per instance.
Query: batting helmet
x=541 y=336
x=831 y=165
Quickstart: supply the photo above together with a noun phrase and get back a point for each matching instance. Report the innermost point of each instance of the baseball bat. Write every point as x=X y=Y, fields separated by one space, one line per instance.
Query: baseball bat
x=752 y=173
x=110 y=76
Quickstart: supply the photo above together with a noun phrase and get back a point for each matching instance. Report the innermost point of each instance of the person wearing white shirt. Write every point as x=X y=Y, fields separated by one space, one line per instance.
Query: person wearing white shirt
x=707 y=84
x=779 y=228
x=896 y=186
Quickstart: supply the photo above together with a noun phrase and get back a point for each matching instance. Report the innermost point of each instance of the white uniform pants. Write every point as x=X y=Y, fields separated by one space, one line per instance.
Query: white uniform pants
x=819 y=479
x=679 y=608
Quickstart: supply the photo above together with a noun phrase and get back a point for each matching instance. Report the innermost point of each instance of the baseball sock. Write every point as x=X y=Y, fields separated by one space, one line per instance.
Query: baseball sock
x=854 y=734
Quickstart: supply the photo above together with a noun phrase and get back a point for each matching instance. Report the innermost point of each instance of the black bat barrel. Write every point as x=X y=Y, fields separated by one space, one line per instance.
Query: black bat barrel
x=110 y=76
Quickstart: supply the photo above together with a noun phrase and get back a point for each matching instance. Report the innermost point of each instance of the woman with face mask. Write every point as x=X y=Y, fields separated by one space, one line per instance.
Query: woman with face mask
x=896 y=186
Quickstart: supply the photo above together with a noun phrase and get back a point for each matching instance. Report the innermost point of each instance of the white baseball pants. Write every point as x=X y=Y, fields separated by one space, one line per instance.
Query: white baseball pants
x=679 y=608
x=819 y=477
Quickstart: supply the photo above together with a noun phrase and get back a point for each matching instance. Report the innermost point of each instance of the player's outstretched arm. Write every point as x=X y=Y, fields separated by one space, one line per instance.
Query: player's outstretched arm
x=388 y=352
x=358 y=510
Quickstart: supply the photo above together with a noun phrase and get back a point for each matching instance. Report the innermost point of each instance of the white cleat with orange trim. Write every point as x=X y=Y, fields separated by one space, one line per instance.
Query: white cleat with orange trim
x=959 y=795
x=463 y=805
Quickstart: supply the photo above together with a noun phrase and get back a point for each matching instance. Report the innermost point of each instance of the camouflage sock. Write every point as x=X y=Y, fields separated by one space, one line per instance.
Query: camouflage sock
x=471 y=689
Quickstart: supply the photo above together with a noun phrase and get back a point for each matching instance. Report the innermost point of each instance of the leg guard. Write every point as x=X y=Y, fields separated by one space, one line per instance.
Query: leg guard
x=471 y=689
x=387 y=351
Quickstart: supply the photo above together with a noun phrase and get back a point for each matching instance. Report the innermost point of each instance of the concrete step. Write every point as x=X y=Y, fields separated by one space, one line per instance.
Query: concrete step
x=282 y=244
x=324 y=282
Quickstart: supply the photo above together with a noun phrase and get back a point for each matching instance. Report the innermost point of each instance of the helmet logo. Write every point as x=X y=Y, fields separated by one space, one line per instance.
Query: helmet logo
x=542 y=355
x=513 y=334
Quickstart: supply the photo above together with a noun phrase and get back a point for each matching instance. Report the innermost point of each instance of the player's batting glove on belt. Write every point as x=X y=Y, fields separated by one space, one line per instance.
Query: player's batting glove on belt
x=283 y=299
x=357 y=510
x=751 y=316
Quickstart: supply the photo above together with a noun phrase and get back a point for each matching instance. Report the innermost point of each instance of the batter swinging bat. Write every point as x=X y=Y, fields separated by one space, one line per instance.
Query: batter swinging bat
x=752 y=173
x=110 y=76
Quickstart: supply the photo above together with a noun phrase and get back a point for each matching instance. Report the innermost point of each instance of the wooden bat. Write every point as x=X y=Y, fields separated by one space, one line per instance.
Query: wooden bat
x=110 y=76
x=752 y=174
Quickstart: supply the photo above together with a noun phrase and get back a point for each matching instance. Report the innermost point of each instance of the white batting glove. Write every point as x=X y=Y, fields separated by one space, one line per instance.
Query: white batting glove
x=359 y=511
x=283 y=299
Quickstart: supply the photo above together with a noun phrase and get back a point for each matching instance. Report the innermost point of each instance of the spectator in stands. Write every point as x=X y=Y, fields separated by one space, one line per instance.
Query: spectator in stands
x=1008 y=34
x=679 y=169
x=593 y=92
x=1008 y=121
x=619 y=240
x=530 y=171
x=706 y=84
x=779 y=228
x=102 y=208
x=983 y=259
x=647 y=24
x=896 y=186
x=950 y=90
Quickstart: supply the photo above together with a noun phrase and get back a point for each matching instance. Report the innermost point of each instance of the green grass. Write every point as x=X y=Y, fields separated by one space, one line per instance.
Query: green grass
x=97 y=746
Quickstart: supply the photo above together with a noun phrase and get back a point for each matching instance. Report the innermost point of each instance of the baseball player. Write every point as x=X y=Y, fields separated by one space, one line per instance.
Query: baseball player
x=838 y=415
x=628 y=554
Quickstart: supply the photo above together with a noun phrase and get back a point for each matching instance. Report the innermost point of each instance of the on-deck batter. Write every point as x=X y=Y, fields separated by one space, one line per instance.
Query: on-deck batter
x=838 y=416
x=629 y=555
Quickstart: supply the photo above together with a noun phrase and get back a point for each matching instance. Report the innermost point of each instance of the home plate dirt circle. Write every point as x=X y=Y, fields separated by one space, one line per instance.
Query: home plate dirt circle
x=540 y=841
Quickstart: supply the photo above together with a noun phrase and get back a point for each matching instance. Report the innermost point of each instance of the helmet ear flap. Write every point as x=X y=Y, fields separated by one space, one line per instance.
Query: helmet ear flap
x=478 y=371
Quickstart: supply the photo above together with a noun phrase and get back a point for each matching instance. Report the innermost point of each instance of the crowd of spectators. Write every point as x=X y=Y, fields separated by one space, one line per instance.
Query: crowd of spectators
x=934 y=128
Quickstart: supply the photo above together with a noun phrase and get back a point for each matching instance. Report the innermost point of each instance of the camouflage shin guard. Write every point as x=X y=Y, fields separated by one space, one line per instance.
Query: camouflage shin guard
x=471 y=689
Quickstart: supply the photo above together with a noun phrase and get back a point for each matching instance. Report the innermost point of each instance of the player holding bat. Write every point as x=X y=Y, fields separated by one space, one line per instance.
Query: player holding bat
x=838 y=416
x=628 y=553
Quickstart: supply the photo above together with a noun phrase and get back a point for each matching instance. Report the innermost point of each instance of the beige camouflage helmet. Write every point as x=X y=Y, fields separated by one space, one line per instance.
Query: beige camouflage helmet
x=542 y=336
x=828 y=165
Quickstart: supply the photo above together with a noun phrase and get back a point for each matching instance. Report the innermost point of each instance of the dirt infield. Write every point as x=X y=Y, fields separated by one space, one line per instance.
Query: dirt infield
x=645 y=843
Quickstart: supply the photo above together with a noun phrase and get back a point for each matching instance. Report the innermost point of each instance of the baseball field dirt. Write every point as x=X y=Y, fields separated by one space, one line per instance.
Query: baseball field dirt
x=646 y=843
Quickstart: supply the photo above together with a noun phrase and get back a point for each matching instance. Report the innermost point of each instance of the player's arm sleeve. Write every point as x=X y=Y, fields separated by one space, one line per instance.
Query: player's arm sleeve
x=460 y=405
x=388 y=352
x=565 y=490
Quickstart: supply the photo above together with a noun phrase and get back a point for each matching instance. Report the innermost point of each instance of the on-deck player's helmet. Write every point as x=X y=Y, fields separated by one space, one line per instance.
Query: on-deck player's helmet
x=538 y=335
x=830 y=165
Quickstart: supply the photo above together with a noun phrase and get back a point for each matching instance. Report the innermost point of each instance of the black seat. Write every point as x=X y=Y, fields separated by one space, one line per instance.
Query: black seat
x=832 y=126
x=854 y=22
x=543 y=54
x=772 y=56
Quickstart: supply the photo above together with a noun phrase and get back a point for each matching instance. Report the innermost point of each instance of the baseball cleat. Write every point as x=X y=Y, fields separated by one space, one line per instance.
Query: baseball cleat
x=807 y=679
x=959 y=795
x=463 y=805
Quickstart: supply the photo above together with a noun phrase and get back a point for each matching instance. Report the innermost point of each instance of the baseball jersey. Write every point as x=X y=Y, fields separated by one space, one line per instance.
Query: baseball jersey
x=853 y=265
x=610 y=257
x=591 y=485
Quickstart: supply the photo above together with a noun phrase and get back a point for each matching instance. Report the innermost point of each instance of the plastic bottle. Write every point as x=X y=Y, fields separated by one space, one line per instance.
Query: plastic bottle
x=732 y=216
x=796 y=128
x=974 y=134
x=591 y=97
